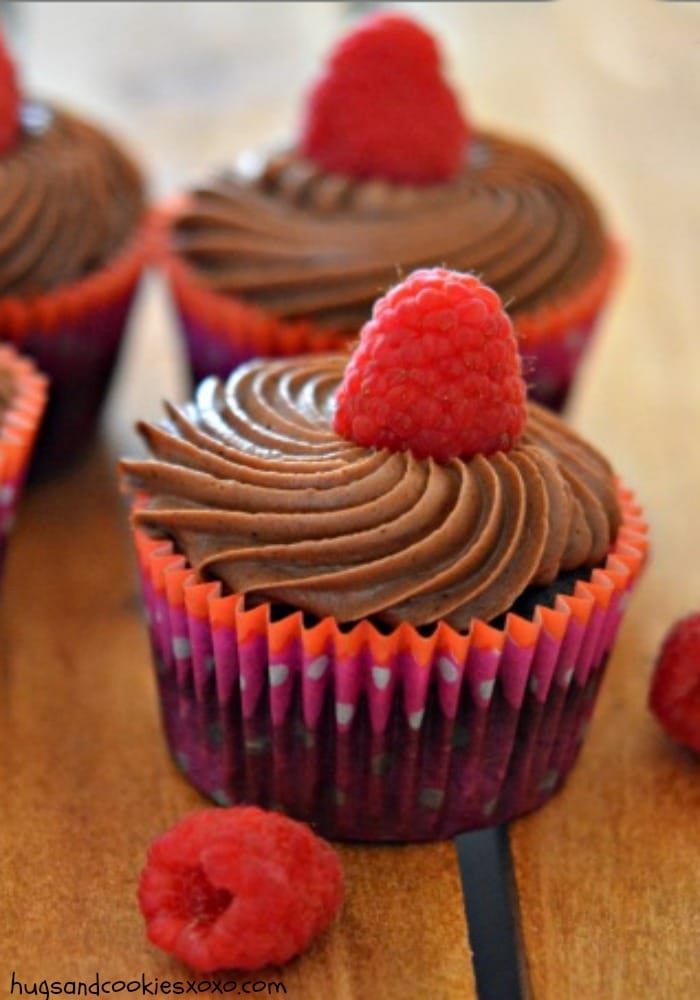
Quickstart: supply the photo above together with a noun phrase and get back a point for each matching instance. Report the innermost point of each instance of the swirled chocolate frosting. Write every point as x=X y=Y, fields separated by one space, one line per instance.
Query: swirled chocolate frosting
x=69 y=200
x=302 y=243
x=258 y=491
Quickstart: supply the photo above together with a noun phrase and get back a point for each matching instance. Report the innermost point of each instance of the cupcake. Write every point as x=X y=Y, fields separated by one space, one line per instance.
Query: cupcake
x=286 y=252
x=71 y=251
x=22 y=401
x=382 y=592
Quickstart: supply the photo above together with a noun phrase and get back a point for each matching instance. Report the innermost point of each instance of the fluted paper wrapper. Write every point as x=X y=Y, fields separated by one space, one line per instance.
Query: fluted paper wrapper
x=18 y=429
x=74 y=334
x=221 y=331
x=555 y=338
x=380 y=737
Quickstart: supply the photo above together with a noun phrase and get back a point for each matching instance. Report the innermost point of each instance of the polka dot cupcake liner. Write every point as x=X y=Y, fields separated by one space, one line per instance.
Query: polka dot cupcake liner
x=18 y=429
x=74 y=334
x=378 y=737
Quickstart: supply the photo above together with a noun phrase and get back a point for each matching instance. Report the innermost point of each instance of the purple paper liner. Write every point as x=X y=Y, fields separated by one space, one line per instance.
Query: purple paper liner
x=74 y=334
x=208 y=353
x=380 y=738
x=80 y=361
x=550 y=367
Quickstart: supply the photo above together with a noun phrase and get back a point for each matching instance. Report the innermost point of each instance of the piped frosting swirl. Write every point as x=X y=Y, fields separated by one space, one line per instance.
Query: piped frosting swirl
x=259 y=492
x=69 y=201
x=301 y=243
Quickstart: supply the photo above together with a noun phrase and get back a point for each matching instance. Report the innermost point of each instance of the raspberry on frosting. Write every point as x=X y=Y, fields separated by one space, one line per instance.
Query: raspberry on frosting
x=382 y=108
x=437 y=371
x=9 y=100
x=238 y=888
x=674 y=697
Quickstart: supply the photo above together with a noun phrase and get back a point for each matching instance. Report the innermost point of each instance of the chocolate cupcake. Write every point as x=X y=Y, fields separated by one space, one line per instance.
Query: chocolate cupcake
x=390 y=621
x=72 y=214
x=287 y=252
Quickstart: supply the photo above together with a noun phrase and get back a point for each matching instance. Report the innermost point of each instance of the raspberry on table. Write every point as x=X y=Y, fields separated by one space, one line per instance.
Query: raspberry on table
x=382 y=108
x=674 y=697
x=437 y=371
x=9 y=100
x=238 y=888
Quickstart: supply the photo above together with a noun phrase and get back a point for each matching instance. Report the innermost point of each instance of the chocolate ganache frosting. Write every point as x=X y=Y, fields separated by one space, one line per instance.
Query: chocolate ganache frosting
x=301 y=243
x=69 y=200
x=258 y=491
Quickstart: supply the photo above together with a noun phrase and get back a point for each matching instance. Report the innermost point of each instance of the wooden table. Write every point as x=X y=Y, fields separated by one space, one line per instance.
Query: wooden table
x=606 y=878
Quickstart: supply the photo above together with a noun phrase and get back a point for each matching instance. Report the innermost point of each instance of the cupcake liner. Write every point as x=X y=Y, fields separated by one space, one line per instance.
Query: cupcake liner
x=222 y=331
x=74 y=334
x=370 y=736
x=18 y=428
x=555 y=338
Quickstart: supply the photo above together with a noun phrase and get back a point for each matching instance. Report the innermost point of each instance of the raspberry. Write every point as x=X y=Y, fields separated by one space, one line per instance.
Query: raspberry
x=674 y=697
x=9 y=100
x=382 y=108
x=436 y=371
x=238 y=888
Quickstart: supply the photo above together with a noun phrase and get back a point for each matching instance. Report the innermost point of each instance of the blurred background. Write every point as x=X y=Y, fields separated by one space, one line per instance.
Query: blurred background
x=611 y=89
x=188 y=85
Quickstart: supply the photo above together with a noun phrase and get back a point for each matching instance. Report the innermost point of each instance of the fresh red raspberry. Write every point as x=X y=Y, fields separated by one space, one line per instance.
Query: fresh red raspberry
x=382 y=109
x=436 y=372
x=9 y=100
x=674 y=697
x=238 y=888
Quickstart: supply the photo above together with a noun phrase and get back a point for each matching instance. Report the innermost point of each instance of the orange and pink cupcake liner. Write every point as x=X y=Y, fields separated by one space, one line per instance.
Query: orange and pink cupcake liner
x=373 y=736
x=19 y=425
x=74 y=334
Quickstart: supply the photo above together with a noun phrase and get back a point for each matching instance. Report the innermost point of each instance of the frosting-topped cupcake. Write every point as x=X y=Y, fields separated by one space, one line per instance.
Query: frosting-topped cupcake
x=72 y=218
x=382 y=589
x=70 y=201
x=285 y=252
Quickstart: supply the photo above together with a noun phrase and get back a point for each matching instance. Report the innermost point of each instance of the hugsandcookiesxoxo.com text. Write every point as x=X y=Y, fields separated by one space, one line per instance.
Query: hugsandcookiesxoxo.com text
x=144 y=986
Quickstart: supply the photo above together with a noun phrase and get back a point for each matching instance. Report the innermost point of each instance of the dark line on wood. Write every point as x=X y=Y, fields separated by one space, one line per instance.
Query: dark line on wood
x=487 y=886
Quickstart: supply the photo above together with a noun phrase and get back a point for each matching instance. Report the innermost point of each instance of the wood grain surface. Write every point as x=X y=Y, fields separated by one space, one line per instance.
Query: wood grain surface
x=608 y=874
x=86 y=780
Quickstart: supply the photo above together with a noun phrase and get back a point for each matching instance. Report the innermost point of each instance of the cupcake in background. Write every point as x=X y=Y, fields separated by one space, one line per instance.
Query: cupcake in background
x=23 y=393
x=72 y=215
x=286 y=252
x=382 y=590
